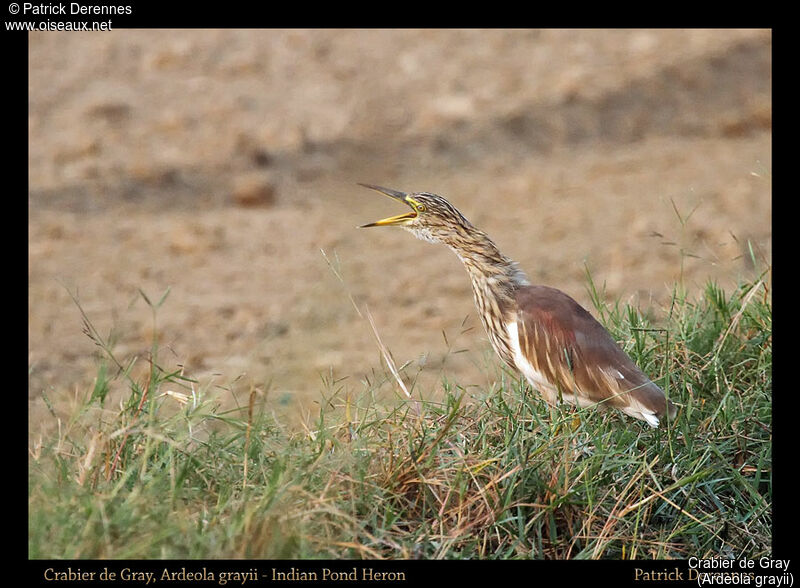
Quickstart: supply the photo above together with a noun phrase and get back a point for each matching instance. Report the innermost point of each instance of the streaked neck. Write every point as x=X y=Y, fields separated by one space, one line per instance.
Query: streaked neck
x=491 y=272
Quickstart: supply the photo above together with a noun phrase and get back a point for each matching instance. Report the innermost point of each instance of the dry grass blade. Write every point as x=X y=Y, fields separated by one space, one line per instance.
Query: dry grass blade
x=86 y=465
x=738 y=316
x=618 y=513
x=339 y=277
x=383 y=349
x=115 y=462
x=250 y=405
x=390 y=363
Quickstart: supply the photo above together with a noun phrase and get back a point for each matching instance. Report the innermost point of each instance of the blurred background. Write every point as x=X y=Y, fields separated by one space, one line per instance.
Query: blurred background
x=222 y=165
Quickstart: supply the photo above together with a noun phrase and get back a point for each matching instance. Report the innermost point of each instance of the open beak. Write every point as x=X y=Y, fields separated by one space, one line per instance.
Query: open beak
x=400 y=219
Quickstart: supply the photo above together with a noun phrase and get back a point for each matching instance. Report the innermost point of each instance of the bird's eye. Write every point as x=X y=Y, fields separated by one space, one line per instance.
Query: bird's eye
x=420 y=208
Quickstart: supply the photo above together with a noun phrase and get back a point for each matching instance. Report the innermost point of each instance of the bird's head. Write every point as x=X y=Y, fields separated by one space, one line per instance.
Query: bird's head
x=432 y=218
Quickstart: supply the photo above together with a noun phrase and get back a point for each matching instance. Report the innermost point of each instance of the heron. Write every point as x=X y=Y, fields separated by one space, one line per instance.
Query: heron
x=538 y=331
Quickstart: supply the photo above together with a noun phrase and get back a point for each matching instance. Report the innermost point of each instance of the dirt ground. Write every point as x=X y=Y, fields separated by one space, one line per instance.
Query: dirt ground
x=222 y=165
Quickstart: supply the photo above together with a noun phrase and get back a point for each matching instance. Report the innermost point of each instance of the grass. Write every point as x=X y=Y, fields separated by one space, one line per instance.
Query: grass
x=149 y=464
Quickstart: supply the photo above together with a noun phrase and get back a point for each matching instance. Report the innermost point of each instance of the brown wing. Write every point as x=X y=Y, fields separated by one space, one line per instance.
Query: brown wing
x=576 y=353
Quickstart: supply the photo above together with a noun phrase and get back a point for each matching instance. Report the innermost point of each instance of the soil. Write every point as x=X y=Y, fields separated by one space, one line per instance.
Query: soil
x=221 y=166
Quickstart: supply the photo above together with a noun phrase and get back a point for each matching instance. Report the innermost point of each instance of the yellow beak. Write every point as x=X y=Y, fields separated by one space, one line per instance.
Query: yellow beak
x=400 y=219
